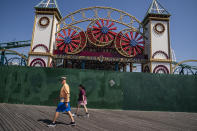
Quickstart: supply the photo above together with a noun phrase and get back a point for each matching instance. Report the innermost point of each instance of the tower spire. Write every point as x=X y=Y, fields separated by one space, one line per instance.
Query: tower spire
x=157 y=8
x=47 y=4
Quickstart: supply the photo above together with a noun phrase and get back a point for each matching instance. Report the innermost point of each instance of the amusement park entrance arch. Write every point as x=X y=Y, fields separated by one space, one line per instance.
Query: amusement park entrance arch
x=111 y=40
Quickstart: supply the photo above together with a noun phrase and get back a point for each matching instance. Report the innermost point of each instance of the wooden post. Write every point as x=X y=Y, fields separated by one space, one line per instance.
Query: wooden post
x=131 y=67
x=142 y=67
x=124 y=68
x=64 y=63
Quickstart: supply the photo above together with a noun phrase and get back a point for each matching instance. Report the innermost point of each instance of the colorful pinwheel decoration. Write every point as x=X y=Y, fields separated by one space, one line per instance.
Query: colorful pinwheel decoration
x=101 y=32
x=132 y=43
x=69 y=40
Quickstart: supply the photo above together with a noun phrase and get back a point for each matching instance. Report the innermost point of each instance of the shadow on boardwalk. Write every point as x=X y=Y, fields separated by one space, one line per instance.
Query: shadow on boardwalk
x=29 y=117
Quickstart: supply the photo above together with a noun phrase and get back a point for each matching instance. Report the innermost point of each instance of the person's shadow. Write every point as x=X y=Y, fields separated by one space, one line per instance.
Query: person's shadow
x=47 y=121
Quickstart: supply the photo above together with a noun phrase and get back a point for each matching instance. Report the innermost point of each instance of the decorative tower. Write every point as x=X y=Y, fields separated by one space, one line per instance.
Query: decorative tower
x=47 y=15
x=157 y=47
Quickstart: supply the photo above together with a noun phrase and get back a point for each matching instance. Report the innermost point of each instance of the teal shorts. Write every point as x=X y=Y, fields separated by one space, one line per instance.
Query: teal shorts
x=61 y=107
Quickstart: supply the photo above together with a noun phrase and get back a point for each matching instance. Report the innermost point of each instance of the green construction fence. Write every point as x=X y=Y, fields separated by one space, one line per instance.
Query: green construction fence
x=104 y=89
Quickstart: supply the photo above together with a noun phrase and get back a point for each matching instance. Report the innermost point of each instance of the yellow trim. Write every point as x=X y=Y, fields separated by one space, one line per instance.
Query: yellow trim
x=150 y=26
x=35 y=18
x=41 y=54
x=49 y=59
x=150 y=39
x=99 y=7
x=57 y=27
x=33 y=31
x=170 y=68
x=50 y=42
x=160 y=60
x=169 y=45
x=158 y=19
x=183 y=62
x=48 y=62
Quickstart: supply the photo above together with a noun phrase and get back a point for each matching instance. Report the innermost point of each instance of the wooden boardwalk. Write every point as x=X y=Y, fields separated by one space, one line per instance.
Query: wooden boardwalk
x=16 y=117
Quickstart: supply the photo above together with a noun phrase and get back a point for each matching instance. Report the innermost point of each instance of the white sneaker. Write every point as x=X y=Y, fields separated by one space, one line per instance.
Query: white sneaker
x=74 y=114
x=51 y=125
x=87 y=115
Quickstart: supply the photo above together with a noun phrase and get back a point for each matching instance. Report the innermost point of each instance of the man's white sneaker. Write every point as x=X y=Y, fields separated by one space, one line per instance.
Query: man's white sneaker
x=51 y=125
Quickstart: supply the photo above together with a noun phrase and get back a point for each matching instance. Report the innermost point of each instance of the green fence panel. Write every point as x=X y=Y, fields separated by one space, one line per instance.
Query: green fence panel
x=41 y=86
x=104 y=89
x=143 y=91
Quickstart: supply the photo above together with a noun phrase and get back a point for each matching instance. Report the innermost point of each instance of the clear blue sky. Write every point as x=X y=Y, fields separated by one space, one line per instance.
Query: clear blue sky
x=17 y=17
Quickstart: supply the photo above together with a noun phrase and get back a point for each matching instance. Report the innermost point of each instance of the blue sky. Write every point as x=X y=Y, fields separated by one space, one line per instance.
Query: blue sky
x=17 y=17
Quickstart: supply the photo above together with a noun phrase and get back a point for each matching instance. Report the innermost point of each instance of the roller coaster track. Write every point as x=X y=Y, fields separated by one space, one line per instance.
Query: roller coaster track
x=15 y=52
x=6 y=49
x=15 y=44
x=182 y=67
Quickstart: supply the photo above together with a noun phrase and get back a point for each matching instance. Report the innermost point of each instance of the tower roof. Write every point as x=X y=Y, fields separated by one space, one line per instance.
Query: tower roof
x=47 y=4
x=157 y=8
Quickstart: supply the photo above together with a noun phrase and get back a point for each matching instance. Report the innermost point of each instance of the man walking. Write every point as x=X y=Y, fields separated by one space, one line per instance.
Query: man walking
x=64 y=104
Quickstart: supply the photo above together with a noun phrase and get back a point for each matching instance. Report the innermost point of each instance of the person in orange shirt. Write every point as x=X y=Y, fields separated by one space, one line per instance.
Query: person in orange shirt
x=64 y=104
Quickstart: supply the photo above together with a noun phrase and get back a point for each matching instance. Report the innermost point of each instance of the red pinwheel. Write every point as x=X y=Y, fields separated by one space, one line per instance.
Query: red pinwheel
x=68 y=40
x=101 y=33
x=132 y=43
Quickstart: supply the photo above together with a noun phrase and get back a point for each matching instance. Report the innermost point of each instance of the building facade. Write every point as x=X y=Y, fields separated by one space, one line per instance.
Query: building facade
x=108 y=43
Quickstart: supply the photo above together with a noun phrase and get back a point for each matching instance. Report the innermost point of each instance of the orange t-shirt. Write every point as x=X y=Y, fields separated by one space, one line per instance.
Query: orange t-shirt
x=65 y=93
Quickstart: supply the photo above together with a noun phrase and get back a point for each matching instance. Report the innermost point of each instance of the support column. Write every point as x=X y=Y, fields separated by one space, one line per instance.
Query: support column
x=72 y=63
x=142 y=67
x=116 y=67
x=64 y=63
x=83 y=65
x=124 y=68
x=131 y=67
x=2 y=57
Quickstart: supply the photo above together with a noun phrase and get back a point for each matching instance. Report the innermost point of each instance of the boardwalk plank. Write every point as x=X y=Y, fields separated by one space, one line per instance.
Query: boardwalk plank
x=18 y=117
